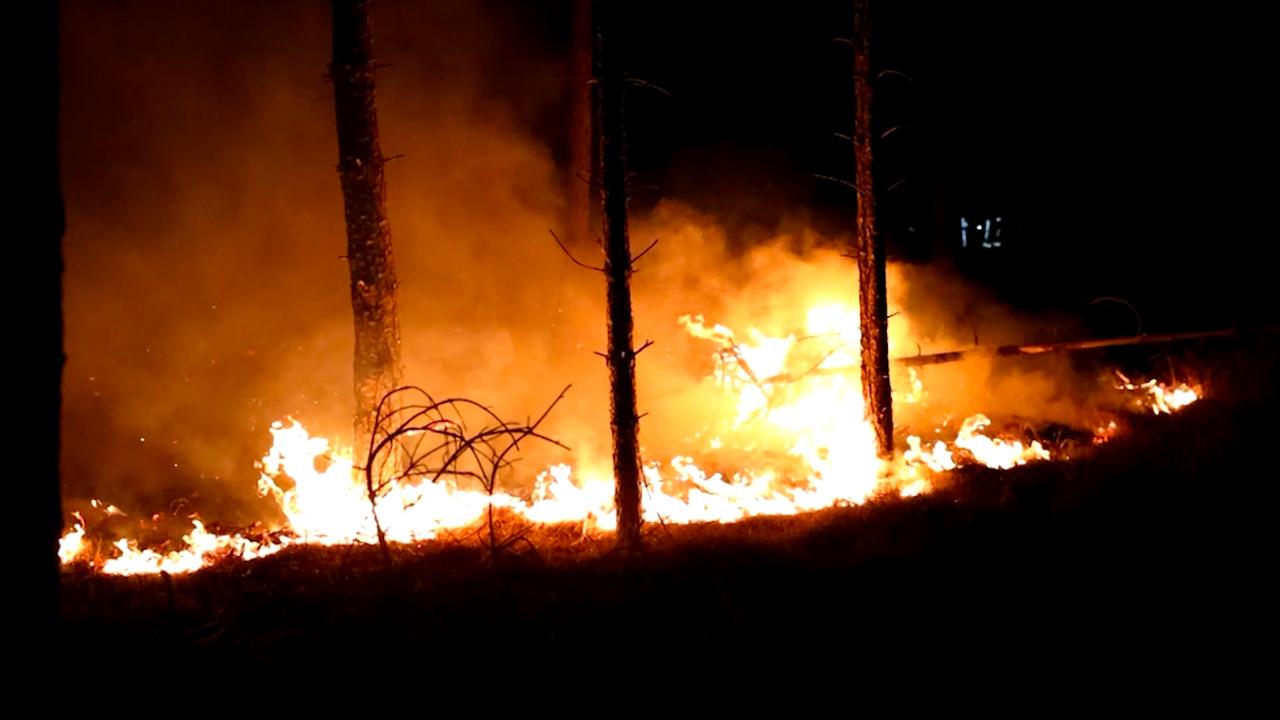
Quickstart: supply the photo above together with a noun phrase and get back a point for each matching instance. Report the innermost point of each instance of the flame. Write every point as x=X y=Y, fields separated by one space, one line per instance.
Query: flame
x=71 y=544
x=794 y=406
x=202 y=548
x=1160 y=398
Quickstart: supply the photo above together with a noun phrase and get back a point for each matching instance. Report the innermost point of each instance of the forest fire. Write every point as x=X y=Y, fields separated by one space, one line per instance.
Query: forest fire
x=1162 y=399
x=465 y=336
x=791 y=434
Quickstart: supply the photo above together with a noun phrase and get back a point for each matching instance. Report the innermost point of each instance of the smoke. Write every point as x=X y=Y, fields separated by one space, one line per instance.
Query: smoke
x=207 y=296
x=941 y=311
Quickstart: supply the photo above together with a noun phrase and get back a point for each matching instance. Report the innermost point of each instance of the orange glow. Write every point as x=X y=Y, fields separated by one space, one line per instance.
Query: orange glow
x=794 y=406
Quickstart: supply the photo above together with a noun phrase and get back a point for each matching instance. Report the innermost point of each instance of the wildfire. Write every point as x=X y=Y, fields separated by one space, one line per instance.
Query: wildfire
x=72 y=542
x=1160 y=398
x=202 y=548
x=794 y=399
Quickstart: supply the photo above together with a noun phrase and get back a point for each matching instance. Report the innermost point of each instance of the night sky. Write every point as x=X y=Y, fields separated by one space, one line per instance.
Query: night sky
x=1112 y=141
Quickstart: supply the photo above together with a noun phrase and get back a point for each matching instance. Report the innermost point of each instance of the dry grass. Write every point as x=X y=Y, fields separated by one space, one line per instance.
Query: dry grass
x=1156 y=546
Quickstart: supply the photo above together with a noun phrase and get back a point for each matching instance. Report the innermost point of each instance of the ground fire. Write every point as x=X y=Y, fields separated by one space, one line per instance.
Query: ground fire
x=789 y=436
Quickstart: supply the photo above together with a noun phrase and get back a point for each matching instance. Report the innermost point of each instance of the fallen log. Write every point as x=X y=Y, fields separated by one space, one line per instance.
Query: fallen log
x=1042 y=348
x=1010 y=351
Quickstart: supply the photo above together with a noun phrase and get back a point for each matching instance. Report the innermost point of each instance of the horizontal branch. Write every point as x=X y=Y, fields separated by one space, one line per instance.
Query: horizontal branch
x=1041 y=349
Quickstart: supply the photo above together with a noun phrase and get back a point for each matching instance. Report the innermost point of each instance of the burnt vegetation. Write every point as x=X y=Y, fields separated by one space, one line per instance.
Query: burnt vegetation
x=1147 y=554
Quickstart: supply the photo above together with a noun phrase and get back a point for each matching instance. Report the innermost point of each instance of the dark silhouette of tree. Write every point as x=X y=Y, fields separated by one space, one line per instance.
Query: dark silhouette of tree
x=369 y=255
x=872 y=303
x=579 y=185
x=621 y=355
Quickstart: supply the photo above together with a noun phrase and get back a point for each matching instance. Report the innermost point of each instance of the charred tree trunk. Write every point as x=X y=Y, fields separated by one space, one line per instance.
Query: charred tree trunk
x=578 y=181
x=621 y=357
x=872 y=303
x=360 y=167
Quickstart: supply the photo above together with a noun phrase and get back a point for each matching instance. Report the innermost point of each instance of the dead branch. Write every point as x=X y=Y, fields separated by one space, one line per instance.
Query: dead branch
x=838 y=181
x=1041 y=349
x=1124 y=302
x=637 y=82
x=644 y=252
x=434 y=440
x=568 y=254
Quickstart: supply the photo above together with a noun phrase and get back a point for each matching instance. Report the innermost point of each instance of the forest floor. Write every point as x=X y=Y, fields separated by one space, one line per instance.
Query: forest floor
x=1149 y=556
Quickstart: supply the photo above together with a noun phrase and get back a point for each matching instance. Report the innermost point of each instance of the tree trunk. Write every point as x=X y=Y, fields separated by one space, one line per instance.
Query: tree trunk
x=621 y=357
x=872 y=304
x=578 y=179
x=360 y=167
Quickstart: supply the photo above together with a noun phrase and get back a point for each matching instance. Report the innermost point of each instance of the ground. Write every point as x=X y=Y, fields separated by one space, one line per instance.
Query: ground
x=1149 y=558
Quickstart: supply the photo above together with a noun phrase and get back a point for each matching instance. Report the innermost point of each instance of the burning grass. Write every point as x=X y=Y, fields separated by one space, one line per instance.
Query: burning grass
x=1132 y=546
x=787 y=436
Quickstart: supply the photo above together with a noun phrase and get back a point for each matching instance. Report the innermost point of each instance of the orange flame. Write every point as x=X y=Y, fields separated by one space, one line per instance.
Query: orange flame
x=796 y=399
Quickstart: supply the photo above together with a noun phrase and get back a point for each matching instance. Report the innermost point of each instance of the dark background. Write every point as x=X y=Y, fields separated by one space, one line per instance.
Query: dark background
x=1127 y=147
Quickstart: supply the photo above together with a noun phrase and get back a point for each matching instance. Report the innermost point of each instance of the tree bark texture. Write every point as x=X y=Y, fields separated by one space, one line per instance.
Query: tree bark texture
x=620 y=357
x=872 y=303
x=369 y=254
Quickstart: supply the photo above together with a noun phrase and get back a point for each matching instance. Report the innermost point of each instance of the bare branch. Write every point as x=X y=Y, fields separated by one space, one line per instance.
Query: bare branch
x=403 y=428
x=838 y=181
x=637 y=82
x=644 y=252
x=1137 y=315
x=568 y=254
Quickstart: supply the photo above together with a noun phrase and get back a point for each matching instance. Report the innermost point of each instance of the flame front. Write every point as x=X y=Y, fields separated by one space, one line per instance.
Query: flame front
x=795 y=407
x=1160 y=398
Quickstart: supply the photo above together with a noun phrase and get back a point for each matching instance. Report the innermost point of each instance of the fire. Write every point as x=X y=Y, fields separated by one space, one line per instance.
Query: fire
x=71 y=544
x=1162 y=399
x=202 y=548
x=794 y=405
x=997 y=452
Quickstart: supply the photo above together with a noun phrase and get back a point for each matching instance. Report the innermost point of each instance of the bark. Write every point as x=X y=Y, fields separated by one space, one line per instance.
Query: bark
x=369 y=255
x=578 y=180
x=620 y=356
x=872 y=303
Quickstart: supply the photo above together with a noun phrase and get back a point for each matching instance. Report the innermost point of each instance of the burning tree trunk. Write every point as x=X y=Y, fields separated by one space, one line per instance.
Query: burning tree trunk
x=578 y=184
x=360 y=167
x=872 y=304
x=621 y=356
